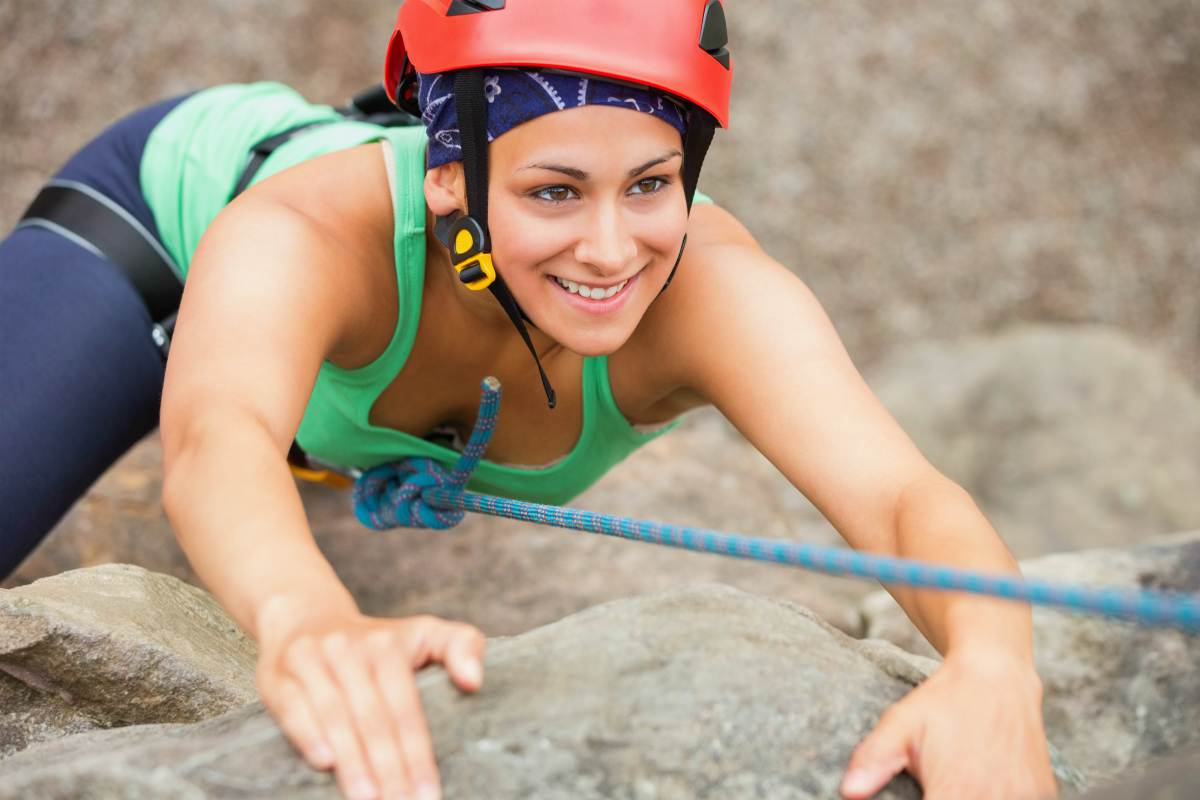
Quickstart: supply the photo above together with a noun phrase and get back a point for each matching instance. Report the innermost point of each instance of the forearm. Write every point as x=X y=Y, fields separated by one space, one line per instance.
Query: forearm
x=937 y=521
x=236 y=512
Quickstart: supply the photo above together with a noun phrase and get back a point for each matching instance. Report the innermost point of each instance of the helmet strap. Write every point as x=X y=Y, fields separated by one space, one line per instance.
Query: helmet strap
x=700 y=130
x=471 y=106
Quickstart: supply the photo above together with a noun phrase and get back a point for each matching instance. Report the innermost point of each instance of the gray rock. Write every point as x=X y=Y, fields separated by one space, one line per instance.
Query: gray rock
x=1116 y=694
x=703 y=692
x=1174 y=778
x=1067 y=436
x=113 y=646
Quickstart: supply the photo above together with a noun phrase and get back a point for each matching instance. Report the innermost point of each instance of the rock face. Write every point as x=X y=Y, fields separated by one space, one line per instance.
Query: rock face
x=691 y=693
x=1115 y=694
x=1067 y=437
x=1172 y=778
x=114 y=646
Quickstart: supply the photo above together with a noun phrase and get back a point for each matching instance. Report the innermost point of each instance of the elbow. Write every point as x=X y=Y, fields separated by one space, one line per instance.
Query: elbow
x=922 y=499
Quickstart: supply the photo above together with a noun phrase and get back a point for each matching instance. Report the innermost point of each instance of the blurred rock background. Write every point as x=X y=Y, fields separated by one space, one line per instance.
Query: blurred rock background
x=939 y=173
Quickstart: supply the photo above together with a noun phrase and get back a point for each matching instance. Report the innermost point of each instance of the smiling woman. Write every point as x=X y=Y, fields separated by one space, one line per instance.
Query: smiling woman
x=334 y=316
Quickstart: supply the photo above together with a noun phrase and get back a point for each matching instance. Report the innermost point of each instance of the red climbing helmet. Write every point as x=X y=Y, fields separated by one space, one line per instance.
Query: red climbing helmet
x=676 y=46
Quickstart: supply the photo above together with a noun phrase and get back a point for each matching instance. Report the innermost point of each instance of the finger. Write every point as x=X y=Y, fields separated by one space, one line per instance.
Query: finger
x=374 y=724
x=457 y=645
x=306 y=663
x=288 y=704
x=464 y=657
x=878 y=758
x=403 y=701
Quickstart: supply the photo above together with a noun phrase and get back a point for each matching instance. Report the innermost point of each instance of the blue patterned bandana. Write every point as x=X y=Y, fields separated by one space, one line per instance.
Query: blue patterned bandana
x=519 y=95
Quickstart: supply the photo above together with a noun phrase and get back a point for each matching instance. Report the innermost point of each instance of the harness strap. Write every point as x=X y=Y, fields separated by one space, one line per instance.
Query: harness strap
x=95 y=222
x=114 y=233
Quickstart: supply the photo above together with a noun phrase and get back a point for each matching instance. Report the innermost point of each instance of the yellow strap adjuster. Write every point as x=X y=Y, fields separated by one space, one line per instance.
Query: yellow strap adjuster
x=470 y=255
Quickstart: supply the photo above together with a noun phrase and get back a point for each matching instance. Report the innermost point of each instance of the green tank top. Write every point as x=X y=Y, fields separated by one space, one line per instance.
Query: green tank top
x=192 y=160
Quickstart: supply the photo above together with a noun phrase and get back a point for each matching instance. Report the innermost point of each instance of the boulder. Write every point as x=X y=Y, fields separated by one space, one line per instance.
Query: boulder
x=1066 y=436
x=113 y=646
x=691 y=692
x=1171 y=778
x=1116 y=694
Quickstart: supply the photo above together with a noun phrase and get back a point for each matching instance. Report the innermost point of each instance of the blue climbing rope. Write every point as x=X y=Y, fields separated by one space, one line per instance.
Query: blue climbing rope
x=420 y=492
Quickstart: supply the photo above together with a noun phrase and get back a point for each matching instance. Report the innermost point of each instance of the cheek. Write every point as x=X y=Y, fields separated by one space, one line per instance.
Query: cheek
x=521 y=241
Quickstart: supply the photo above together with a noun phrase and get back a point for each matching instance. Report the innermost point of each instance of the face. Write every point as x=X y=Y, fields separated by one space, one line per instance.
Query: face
x=587 y=201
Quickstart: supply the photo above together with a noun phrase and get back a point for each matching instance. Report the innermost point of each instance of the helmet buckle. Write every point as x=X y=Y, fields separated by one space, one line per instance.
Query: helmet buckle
x=470 y=253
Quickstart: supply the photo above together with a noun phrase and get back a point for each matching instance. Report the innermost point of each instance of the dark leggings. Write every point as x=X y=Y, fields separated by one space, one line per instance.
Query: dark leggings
x=80 y=376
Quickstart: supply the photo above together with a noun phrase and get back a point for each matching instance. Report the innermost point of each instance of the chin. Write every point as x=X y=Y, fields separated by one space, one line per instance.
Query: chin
x=603 y=341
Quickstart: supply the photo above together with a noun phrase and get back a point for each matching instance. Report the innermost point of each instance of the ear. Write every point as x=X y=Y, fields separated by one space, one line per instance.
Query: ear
x=446 y=189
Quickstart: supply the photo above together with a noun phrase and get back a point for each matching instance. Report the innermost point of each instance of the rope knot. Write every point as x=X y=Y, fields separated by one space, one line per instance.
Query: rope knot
x=391 y=495
x=396 y=494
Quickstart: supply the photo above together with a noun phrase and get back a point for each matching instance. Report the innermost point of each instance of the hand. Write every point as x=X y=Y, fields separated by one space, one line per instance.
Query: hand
x=971 y=729
x=342 y=687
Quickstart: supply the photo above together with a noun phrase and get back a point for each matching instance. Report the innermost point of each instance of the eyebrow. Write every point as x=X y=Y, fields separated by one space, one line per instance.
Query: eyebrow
x=580 y=175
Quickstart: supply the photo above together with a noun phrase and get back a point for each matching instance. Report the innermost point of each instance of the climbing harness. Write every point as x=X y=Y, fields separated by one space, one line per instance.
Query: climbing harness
x=420 y=492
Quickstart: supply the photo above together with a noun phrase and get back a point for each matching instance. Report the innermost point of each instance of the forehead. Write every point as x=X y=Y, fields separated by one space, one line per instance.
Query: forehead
x=591 y=137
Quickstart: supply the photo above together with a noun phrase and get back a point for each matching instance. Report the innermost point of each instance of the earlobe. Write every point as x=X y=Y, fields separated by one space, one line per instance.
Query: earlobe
x=445 y=189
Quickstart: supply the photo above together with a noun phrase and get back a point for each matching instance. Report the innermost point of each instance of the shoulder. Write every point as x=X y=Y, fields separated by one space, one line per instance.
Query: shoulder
x=322 y=229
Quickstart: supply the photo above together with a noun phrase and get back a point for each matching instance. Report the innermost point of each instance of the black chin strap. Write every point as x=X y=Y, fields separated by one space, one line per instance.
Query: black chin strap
x=471 y=105
x=699 y=136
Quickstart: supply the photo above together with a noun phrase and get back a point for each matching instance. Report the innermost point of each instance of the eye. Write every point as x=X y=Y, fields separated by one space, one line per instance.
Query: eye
x=555 y=195
x=650 y=185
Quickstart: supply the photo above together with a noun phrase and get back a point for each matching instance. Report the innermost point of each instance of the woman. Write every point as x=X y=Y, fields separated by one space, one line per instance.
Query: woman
x=338 y=302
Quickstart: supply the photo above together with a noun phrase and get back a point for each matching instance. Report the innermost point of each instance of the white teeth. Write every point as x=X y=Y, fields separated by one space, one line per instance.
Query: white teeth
x=590 y=292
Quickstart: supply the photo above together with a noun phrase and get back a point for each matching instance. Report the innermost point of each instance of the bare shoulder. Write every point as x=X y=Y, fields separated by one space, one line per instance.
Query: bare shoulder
x=274 y=288
x=336 y=210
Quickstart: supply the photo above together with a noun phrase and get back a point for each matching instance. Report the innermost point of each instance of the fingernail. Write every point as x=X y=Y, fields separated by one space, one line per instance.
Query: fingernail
x=473 y=672
x=857 y=780
x=363 y=789
x=428 y=791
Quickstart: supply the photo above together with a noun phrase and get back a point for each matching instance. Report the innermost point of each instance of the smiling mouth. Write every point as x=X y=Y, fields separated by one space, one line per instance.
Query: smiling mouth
x=591 y=292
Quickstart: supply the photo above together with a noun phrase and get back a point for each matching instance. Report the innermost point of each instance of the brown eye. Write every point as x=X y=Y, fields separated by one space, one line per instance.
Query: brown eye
x=554 y=194
x=649 y=185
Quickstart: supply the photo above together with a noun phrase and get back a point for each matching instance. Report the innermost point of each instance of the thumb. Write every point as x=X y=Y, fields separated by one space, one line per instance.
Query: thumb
x=878 y=758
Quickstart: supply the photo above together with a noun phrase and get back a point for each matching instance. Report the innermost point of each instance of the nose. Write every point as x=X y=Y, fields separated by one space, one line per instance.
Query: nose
x=608 y=245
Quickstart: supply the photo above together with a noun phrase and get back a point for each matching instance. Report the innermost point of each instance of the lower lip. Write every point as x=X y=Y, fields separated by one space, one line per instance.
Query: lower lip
x=606 y=306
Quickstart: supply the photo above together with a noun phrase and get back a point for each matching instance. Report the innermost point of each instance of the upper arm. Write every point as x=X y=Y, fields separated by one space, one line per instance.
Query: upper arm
x=752 y=339
x=263 y=306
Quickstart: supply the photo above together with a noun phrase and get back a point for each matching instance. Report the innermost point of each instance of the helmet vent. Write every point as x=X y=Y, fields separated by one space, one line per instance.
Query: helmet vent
x=459 y=7
x=714 y=33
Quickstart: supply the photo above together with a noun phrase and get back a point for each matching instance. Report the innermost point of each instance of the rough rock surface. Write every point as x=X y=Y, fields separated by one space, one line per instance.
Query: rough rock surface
x=702 y=692
x=1066 y=436
x=113 y=646
x=1174 y=778
x=1115 y=694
